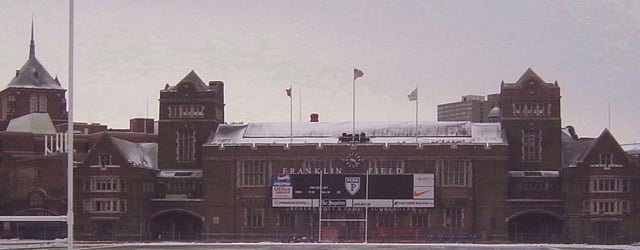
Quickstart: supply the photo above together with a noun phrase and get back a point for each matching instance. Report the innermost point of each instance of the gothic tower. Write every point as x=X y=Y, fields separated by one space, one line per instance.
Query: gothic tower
x=189 y=112
x=32 y=90
x=530 y=116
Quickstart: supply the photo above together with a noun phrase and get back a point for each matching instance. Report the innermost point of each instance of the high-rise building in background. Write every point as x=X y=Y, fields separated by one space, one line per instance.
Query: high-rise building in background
x=473 y=108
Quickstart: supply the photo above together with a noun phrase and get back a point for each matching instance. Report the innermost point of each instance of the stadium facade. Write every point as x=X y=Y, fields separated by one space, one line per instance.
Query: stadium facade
x=523 y=178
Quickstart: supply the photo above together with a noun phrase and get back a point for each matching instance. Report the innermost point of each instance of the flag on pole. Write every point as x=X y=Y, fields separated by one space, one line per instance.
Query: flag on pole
x=413 y=96
x=288 y=91
x=357 y=74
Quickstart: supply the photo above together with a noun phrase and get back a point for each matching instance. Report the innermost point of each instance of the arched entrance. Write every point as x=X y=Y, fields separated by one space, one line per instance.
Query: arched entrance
x=176 y=224
x=535 y=226
x=37 y=229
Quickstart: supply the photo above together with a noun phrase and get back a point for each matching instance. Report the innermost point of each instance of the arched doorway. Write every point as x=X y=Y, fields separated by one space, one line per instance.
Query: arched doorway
x=536 y=226
x=45 y=230
x=176 y=224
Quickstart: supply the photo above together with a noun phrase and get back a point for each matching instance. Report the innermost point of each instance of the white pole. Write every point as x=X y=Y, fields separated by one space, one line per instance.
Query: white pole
x=70 y=133
x=366 y=211
x=417 y=98
x=320 y=211
x=353 y=133
x=291 y=115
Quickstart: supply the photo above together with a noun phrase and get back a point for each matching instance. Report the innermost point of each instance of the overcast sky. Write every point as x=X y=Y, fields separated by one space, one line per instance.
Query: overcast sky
x=126 y=51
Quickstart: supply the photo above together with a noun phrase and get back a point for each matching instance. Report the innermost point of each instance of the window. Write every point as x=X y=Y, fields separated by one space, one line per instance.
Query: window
x=609 y=185
x=607 y=207
x=419 y=220
x=453 y=173
x=452 y=217
x=387 y=220
x=104 y=159
x=186 y=111
x=254 y=217
x=605 y=160
x=219 y=114
x=186 y=142
x=531 y=109
x=534 y=186
x=38 y=103
x=105 y=184
x=287 y=219
x=105 y=206
x=181 y=185
x=147 y=187
x=321 y=164
x=36 y=199
x=254 y=173
x=531 y=145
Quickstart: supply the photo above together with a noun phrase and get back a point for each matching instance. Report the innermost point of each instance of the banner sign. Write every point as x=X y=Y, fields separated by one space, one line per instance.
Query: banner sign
x=350 y=190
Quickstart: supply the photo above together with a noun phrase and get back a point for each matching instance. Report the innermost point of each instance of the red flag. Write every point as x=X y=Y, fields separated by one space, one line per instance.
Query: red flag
x=357 y=74
x=288 y=91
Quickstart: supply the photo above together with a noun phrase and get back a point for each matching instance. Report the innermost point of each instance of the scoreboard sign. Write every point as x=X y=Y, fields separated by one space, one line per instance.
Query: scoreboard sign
x=350 y=190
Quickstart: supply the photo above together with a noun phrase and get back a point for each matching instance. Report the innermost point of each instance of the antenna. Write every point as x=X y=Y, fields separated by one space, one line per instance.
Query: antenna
x=609 y=116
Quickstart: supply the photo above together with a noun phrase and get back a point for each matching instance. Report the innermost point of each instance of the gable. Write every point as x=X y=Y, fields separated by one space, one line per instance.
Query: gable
x=606 y=144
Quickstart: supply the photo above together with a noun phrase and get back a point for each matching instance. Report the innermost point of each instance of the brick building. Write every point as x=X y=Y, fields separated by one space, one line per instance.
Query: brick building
x=521 y=178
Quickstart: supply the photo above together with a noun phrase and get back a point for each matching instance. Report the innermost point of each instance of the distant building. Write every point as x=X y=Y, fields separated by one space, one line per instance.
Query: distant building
x=473 y=108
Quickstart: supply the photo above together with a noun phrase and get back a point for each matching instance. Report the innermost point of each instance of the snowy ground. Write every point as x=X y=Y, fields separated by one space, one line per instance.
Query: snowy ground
x=61 y=244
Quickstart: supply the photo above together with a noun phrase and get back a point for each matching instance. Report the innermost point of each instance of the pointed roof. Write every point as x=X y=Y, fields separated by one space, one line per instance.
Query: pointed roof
x=33 y=74
x=191 y=77
x=575 y=151
x=529 y=76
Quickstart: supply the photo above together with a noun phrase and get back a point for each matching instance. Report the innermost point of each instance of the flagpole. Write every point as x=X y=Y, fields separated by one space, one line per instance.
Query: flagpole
x=70 y=133
x=353 y=133
x=291 y=115
x=300 y=104
x=417 y=98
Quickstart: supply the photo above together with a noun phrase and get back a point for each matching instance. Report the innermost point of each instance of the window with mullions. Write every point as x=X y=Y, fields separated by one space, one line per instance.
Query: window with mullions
x=419 y=220
x=606 y=206
x=452 y=217
x=185 y=150
x=254 y=217
x=186 y=111
x=387 y=220
x=609 y=185
x=386 y=163
x=531 y=145
x=453 y=173
x=287 y=219
x=38 y=103
x=313 y=164
x=254 y=173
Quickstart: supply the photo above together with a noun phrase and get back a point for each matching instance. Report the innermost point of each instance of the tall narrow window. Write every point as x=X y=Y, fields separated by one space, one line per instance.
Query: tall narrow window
x=254 y=173
x=42 y=103
x=33 y=103
x=531 y=145
x=453 y=173
x=254 y=217
x=452 y=217
x=185 y=150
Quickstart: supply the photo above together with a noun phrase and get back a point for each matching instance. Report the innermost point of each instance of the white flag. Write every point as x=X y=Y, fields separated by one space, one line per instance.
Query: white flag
x=413 y=95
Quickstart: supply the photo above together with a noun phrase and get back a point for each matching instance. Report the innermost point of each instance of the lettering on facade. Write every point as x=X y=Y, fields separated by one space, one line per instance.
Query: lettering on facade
x=337 y=170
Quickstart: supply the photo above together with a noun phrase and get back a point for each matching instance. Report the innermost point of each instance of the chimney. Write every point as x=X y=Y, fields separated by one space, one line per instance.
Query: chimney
x=314 y=117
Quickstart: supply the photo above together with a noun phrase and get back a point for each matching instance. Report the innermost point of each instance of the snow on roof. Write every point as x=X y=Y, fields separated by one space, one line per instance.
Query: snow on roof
x=181 y=173
x=138 y=154
x=37 y=123
x=378 y=132
x=632 y=148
